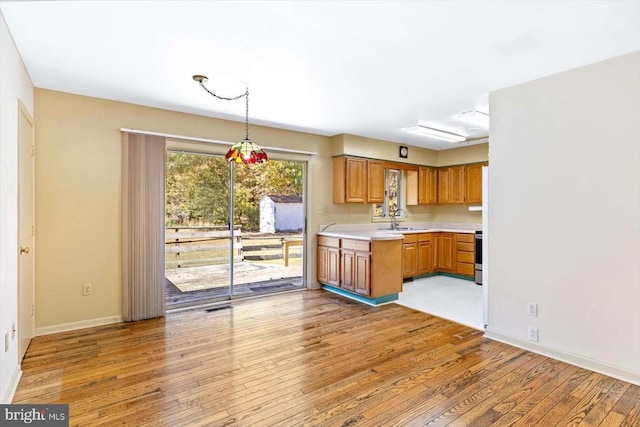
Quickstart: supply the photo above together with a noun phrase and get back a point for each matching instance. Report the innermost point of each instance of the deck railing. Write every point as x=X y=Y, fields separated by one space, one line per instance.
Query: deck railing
x=208 y=245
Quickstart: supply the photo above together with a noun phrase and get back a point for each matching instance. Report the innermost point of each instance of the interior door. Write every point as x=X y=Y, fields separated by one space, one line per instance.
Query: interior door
x=26 y=292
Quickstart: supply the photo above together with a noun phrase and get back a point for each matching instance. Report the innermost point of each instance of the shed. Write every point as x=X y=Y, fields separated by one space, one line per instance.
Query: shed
x=281 y=214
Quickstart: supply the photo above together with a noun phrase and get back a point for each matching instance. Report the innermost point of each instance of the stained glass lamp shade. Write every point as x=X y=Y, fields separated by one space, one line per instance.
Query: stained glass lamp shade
x=246 y=151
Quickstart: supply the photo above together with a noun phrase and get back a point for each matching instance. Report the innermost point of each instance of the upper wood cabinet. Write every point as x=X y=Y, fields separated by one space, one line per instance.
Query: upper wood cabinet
x=349 y=180
x=427 y=186
x=473 y=183
x=357 y=180
x=451 y=185
x=375 y=181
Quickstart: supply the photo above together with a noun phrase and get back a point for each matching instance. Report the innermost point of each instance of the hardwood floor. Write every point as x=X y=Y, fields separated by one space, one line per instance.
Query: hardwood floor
x=312 y=358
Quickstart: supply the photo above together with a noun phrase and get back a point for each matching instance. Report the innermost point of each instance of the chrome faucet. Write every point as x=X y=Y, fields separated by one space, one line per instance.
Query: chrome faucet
x=394 y=220
x=327 y=226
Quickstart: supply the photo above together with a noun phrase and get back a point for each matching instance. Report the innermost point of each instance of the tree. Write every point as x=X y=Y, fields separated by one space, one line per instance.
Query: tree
x=197 y=190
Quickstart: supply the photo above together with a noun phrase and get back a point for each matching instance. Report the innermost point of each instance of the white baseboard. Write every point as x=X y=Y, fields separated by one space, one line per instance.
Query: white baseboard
x=572 y=359
x=64 y=327
x=13 y=386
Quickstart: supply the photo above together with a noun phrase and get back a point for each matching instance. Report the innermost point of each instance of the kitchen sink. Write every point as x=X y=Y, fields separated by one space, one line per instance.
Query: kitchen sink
x=401 y=229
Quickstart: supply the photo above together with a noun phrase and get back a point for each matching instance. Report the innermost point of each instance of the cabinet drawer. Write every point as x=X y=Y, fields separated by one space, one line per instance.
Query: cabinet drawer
x=410 y=238
x=466 y=237
x=465 y=257
x=356 y=245
x=466 y=269
x=466 y=247
x=425 y=237
x=329 y=241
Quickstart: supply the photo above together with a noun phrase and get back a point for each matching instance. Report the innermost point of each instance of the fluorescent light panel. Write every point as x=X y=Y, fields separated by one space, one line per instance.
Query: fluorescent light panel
x=436 y=133
x=475 y=117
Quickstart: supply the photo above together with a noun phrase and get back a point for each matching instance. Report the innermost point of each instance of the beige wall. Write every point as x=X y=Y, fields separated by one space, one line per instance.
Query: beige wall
x=377 y=149
x=469 y=154
x=78 y=190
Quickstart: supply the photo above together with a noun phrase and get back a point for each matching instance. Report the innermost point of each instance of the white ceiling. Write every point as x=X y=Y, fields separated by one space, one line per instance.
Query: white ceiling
x=368 y=68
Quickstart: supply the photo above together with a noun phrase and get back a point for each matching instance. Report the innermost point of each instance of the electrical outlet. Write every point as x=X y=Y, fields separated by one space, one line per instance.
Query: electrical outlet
x=532 y=309
x=533 y=334
x=86 y=289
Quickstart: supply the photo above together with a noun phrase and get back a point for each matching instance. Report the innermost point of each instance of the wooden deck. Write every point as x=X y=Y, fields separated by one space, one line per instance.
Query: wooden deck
x=312 y=359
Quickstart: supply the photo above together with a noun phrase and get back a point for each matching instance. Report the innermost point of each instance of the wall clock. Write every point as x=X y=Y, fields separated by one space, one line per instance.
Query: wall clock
x=404 y=152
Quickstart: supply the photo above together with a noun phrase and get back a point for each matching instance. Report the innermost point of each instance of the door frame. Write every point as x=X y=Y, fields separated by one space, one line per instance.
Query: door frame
x=187 y=146
x=29 y=306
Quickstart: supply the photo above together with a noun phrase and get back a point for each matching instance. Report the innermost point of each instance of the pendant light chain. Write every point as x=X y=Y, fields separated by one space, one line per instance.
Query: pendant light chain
x=247 y=115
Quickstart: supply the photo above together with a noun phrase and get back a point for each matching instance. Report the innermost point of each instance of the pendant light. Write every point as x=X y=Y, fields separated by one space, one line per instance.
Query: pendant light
x=245 y=151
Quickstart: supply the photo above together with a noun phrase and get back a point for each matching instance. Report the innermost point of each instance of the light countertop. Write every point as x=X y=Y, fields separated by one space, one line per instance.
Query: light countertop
x=387 y=234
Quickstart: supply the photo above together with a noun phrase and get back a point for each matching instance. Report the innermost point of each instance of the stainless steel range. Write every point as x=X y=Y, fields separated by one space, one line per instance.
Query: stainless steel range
x=478 y=260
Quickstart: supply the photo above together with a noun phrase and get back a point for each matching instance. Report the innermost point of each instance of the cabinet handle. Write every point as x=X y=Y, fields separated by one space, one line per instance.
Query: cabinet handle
x=24 y=250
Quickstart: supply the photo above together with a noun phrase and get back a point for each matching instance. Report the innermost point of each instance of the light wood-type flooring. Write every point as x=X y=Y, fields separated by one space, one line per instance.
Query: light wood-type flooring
x=312 y=358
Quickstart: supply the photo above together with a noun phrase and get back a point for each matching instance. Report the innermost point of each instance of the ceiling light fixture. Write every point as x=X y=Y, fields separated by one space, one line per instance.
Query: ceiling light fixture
x=436 y=133
x=475 y=116
x=245 y=151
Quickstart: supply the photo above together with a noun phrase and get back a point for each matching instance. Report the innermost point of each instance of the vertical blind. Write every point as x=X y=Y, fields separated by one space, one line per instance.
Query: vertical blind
x=143 y=192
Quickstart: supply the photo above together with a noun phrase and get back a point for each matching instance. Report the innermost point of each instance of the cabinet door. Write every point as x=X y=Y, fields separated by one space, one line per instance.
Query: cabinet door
x=348 y=270
x=323 y=264
x=362 y=273
x=436 y=242
x=427 y=186
x=409 y=260
x=425 y=258
x=333 y=269
x=473 y=185
x=447 y=252
x=457 y=184
x=375 y=182
x=355 y=180
x=444 y=186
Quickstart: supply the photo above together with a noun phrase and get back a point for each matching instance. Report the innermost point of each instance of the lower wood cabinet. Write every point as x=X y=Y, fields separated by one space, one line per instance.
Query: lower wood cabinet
x=445 y=255
x=426 y=253
x=329 y=260
x=369 y=268
x=465 y=254
x=410 y=255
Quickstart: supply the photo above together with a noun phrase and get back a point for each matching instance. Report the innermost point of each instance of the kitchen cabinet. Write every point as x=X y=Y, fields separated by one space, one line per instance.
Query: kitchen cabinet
x=349 y=180
x=425 y=253
x=410 y=255
x=445 y=252
x=362 y=273
x=465 y=254
x=473 y=183
x=451 y=185
x=369 y=268
x=375 y=181
x=427 y=186
x=329 y=260
x=357 y=180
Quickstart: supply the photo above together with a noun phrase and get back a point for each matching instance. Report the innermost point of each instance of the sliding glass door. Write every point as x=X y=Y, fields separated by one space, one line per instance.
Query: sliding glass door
x=268 y=207
x=232 y=229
